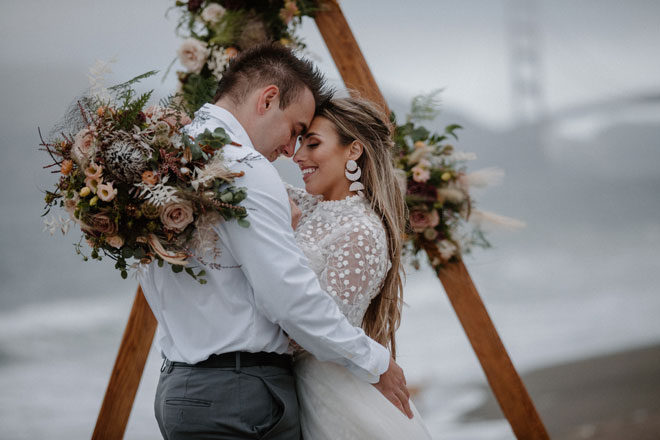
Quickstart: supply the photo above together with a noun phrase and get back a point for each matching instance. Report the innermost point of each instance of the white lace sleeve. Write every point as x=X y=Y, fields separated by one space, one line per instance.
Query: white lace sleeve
x=302 y=198
x=355 y=268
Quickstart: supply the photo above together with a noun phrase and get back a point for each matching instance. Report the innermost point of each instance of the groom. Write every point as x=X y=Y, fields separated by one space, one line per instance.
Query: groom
x=226 y=372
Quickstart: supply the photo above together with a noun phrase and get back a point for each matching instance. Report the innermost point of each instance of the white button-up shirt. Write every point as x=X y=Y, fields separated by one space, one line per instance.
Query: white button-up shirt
x=264 y=288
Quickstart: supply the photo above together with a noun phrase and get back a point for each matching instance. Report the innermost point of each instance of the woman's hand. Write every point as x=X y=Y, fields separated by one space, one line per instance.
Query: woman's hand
x=296 y=213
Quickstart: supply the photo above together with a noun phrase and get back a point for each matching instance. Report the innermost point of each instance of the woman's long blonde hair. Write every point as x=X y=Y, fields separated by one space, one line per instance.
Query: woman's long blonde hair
x=359 y=120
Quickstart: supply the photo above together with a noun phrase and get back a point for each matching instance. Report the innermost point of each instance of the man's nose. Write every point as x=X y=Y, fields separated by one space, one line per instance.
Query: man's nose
x=290 y=148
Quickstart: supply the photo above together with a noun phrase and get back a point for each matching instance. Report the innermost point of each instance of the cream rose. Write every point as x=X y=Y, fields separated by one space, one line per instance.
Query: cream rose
x=212 y=13
x=447 y=249
x=193 y=54
x=82 y=146
x=177 y=215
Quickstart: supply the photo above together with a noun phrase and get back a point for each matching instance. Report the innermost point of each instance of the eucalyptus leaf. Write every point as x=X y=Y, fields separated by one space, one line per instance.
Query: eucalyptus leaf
x=227 y=197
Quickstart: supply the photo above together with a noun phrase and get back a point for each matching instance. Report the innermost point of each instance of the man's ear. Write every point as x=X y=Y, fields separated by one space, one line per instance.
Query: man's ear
x=268 y=98
x=355 y=150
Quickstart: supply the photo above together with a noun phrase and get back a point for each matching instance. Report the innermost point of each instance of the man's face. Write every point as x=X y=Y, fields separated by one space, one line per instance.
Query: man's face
x=279 y=129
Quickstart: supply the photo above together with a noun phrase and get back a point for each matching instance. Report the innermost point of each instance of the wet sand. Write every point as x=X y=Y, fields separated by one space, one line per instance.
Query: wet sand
x=612 y=397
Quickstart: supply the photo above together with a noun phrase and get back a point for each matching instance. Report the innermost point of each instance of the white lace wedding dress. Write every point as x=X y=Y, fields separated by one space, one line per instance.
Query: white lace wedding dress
x=346 y=246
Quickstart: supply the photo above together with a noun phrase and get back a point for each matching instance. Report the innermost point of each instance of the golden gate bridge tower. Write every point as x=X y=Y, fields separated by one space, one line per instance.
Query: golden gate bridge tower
x=525 y=61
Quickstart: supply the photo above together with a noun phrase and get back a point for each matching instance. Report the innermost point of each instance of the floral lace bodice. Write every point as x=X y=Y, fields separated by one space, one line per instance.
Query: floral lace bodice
x=346 y=246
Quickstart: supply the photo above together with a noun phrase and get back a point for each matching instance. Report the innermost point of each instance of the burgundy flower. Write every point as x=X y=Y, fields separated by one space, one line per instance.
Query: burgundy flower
x=194 y=5
x=421 y=189
x=234 y=4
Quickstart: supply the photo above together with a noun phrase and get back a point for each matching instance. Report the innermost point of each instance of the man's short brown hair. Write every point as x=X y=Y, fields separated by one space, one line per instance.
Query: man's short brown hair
x=267 y=64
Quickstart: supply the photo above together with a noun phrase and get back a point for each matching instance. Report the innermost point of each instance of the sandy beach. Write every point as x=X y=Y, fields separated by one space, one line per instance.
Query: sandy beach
x=611 y=397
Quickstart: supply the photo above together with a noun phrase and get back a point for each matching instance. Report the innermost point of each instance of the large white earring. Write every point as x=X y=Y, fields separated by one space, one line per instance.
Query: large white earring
x=353 y=173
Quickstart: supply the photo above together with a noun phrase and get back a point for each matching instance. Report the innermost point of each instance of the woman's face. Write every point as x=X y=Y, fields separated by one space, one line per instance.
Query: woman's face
x=322 y=160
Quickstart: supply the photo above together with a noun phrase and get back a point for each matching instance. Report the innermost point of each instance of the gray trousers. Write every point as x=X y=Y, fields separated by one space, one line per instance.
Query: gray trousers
x=226 y=403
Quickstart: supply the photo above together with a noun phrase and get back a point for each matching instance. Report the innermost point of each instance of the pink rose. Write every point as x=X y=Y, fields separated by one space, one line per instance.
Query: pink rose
x=115 y=241
x=101 y=223
x=421 y=220
x=82 y=145
x=177 y=215
x=289 y=11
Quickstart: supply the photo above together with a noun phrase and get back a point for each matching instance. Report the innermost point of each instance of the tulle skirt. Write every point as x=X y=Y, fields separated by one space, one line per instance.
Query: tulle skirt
x=335 y=405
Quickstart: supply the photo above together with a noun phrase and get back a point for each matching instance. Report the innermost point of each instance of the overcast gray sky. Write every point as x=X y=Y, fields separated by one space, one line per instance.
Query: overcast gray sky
x=590 y=50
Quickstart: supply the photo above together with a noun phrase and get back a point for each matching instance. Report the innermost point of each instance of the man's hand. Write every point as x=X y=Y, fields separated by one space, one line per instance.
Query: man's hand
x=296 y=213
x=392 y=385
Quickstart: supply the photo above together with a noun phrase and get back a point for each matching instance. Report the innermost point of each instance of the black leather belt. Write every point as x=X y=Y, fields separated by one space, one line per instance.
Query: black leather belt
x=238 y=359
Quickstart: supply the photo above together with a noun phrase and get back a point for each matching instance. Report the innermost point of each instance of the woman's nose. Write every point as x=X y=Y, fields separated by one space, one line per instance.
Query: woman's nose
x=298 y=157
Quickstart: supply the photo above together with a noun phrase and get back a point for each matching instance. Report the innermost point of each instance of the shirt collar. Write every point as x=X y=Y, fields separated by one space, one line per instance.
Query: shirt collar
x=236 y=130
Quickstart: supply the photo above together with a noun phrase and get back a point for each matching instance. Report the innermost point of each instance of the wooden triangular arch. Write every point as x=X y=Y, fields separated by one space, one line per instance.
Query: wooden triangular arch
x=502 y=376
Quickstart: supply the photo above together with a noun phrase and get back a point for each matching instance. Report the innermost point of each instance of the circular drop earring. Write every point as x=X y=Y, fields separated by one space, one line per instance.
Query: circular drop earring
x=353 y=173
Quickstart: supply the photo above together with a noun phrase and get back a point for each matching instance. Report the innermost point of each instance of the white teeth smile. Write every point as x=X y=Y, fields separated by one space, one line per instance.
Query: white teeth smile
x=308 y=170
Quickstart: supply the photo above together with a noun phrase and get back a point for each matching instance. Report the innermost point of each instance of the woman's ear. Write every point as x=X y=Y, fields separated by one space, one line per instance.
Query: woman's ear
x=355 y=150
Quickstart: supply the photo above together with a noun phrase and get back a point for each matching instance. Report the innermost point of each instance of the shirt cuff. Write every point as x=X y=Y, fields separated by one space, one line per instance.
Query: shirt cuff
x=381 y=360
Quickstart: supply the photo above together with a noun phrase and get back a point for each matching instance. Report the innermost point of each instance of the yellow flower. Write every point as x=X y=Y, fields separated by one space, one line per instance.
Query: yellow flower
x=420 y=144
x=93 y=201
x=446 y=176
x=85 y=191
x=285 y=41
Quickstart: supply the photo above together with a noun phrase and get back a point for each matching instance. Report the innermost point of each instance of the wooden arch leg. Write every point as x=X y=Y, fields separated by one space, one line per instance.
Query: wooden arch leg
x=127 y=372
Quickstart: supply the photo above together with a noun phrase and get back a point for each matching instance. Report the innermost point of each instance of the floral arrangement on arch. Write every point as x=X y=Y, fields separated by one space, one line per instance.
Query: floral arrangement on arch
x=217 y=30
x=433 y=175
x=139 y=187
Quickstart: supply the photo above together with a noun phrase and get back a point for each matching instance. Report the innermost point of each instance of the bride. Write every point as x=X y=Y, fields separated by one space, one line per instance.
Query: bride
x=351 y=222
